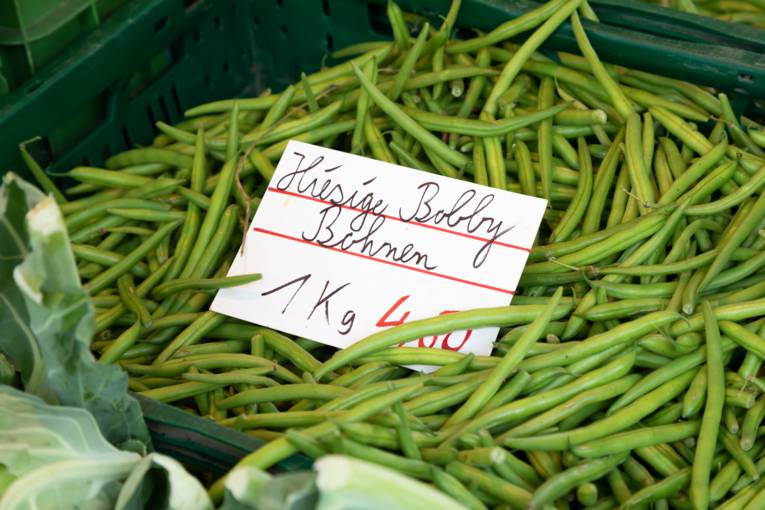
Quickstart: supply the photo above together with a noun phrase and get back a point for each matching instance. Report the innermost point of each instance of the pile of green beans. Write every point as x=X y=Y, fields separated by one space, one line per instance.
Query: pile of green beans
x=750 y=12
x=627 y=372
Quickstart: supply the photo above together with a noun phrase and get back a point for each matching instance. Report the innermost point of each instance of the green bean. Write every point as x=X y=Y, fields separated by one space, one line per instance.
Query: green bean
x=108 y=178
x=669 y=486
x=432 y=326
x=106 y=258
x=385 y=437
x=425 y=356
x=648 y=436
x=678 y=127
x=620 y=420
x=407 y=65
x=212 y=218
x=545 y=136
x=177 y=367
x=695 y=396
x=724 y=480
x=567 y=247
x=192 y=334
x=148 y=155
x=280 y=420
x=456 y=368
x=284 y=392
x=597 y=251
x=512 y=389
x=624 y=308
x=110 y=275
x=618 y=485
x=495 y=163
x=619 y=335
x=408 y=124
x=544 y=463
x=80 y=218
x=306 y=444
x=509 y=362
x=638 y=170
x=661 y=458
x=400 y=30
x=635 y=291
x=730 y=242
x=126 y=289
x=439 y=456
x=201 y=284
x=370 y=391
x=603 y=181
x=579 y=203
x=254 y=376
x=618 y=99
x=559 y=484
x=587 y=494
x=482 y=457
x=514 y=65
x=743 y=337
x=482 y=128
x=507 y=30
x=525 y=168
x=357 y=139
x=752 y=420
x=570 y=407
x=506 y=492
x=277 y=449
x=437 y=400
x=743 y=459
x=738 y=398
x=192 y=220
x=660 y=376
x=453 y=487
x=147 y=214
x=529 y=406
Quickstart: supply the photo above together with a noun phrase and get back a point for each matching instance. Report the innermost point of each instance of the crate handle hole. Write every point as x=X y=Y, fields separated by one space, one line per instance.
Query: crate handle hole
x=217 y=22
x=197 y=35
x=325 y=7
x=126 y=138
x=208 y=81
x=280 y=3
x=330 y=43
x=226 y=67
x=176 y=100
x=746 y=78
x=256 y=20
x=284 y=29
x=33 y=86
x=160 y=24
x=190 y=4
x=378 y=18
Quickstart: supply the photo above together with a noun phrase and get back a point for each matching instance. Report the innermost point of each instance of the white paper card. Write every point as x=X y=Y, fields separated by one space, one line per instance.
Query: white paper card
x=349 y=245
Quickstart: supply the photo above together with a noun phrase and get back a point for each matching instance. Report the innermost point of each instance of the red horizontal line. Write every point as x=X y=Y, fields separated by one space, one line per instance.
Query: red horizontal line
x=395 y=218
x=390 y=263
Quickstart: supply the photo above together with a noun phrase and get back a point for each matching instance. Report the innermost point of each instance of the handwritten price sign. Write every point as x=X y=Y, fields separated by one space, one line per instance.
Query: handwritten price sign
x=349 y=245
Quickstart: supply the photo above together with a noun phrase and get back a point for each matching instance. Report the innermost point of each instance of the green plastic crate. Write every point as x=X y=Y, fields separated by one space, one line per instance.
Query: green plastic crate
x=153 y=59
x=34 y=32
x=106 y=8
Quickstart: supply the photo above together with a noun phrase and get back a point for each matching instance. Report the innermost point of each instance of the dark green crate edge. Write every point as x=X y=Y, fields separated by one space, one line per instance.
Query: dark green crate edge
x=251 y=45
x=201 y=443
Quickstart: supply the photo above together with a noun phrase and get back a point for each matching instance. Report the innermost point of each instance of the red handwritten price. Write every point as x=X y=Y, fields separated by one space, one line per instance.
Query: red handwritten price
x=385 y=322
